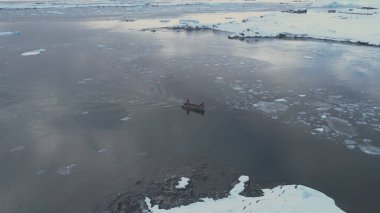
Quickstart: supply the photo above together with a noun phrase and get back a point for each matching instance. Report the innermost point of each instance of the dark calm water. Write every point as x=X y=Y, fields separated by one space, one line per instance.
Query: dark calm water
x=100 y=109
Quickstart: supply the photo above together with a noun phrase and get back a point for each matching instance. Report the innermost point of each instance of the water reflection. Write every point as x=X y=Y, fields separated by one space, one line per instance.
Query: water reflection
x=197 y=111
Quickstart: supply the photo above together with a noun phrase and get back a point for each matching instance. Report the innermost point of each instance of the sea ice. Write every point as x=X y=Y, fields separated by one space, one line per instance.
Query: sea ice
x=17 y=148
x=281 y=100
x=65 y=170
x=319 y=130
x=102 y=150
x=371 y=150
x=271 y=107
x=126 y=118
x=341 y=127
x=33 y=52
x=9 y=33
x=349 y=142
x=40 y=172
x=287 y=198
x=182 y=183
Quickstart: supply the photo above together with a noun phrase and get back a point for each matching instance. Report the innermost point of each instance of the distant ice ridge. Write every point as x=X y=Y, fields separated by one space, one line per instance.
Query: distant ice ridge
x=287 y=198
x=347 y=24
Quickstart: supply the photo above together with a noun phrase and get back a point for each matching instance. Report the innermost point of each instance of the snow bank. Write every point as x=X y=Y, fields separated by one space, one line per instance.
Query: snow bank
x=345 y=3
x=182 y=183
x=350 y=23
x=288 y=198
x=345 y=25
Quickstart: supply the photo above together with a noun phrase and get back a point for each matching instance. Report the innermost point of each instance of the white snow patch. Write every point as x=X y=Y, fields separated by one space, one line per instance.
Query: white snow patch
x=182 y=183
x=287 y=198
x=33 y=52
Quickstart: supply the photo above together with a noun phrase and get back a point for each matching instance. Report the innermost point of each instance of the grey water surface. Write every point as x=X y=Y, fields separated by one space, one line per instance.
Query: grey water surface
x=101 y=109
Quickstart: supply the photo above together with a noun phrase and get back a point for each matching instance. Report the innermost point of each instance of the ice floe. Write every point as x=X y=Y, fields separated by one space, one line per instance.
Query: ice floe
x=287 y=198
x=371 y=150
x=65 y=170
x=341 y=127
x=17 y=148
x=40 y=172
x=271 y=107
x=182 y=183
x=127 y=118
x=33 y=52
x=9 y=33
x=101 y=150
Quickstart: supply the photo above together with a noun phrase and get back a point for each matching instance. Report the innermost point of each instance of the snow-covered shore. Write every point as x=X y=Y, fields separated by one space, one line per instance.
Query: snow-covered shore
x=351 y=24
x=288 y=198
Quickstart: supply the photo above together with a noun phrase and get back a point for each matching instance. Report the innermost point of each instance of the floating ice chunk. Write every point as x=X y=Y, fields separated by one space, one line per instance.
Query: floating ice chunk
x=17 y=148
x=281 y=100
x=188 y=21
x=142 y=154
x=101 y=150
x=237 y=88
x=84 y=113
x=164 y=20
x=33 y=52
x=219 y=78
x=371 y=150
x=341 y=127
x=9 y=33
x=40 y=172
x=349 y=142
x=126 y=118
x=271 y=107
x=182 y=183
x=319 y=130
x=65 y=170
x=367 y=141
x=287 y=198
x=101 y=45
x=308 y=57
x=351 y=146
x=324 y=116
x=338 y=109
x=302 y=96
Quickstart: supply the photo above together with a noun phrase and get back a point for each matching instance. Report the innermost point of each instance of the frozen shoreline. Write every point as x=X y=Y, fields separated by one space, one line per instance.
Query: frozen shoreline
x=290 y=198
